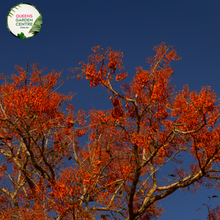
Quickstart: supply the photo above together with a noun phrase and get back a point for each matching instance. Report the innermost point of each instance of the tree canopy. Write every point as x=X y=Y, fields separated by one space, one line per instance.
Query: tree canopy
x=115 y=175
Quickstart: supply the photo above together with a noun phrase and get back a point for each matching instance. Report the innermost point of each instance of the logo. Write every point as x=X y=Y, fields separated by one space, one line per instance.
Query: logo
x=24 y=20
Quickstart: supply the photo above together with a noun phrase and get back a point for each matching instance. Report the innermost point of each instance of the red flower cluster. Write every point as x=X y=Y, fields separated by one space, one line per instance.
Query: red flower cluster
x=117 y=111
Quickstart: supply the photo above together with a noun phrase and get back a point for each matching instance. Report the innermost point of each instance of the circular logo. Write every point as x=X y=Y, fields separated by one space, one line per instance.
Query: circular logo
x=24 y=20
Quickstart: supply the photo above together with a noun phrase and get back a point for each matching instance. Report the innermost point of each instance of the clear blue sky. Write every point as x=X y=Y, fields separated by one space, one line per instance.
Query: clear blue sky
x=71 y=28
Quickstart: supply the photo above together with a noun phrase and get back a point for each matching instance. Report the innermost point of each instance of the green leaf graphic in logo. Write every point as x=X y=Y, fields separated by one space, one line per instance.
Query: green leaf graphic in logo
x=16 y=7
x=37 y=25
x=21 y=35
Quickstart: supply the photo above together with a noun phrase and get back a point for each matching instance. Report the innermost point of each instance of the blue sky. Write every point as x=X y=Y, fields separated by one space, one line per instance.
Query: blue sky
x=71 y=28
